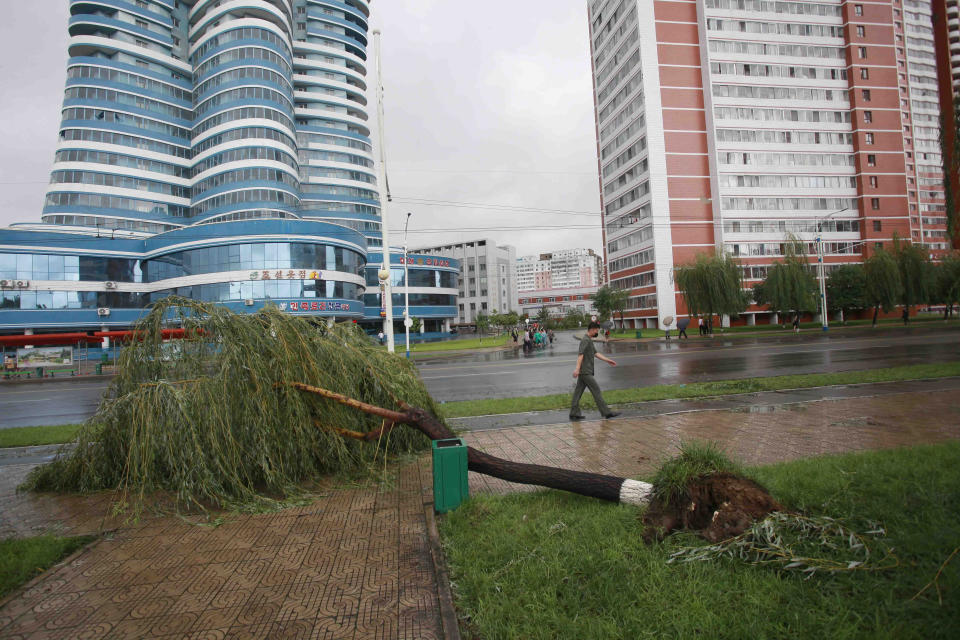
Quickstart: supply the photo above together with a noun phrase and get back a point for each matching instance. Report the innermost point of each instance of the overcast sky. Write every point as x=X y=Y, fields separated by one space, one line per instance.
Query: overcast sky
x=485 y=104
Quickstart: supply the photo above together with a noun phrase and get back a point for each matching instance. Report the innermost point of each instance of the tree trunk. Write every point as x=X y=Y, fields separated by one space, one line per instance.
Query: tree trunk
x=594 y=485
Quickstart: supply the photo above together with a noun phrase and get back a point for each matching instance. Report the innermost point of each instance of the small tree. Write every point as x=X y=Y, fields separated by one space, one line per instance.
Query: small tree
x=415 y=327
x=945 y=277
x=619 y=300
x=543 y=316
x=914 y=267
x=789 y=285
x=847 y=289
x=483 y=323
x=574 y=318
x=884 y=289
x=712 y=284
x=603 y=302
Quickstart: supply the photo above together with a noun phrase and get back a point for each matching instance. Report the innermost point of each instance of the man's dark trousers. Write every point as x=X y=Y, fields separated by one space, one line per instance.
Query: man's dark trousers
x=587 y=381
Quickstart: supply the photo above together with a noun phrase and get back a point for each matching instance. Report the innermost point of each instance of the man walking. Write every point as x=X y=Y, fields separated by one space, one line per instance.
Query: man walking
x=584 y=375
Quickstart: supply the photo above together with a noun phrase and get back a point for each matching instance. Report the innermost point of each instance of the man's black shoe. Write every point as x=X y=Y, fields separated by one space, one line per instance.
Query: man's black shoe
x=576 y=418
x=612 y=414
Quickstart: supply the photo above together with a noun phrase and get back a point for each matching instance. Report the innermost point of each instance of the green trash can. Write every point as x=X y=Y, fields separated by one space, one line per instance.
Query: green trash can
x=99 y=369
x=104 y=358
x=639 y=333
x=450 y=486
x=39 y=372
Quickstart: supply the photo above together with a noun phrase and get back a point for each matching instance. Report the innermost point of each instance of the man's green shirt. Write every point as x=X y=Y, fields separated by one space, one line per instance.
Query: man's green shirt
x=588 y=351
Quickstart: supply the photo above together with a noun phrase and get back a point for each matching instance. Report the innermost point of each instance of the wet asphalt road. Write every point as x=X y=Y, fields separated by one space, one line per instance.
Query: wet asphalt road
x=509 y=373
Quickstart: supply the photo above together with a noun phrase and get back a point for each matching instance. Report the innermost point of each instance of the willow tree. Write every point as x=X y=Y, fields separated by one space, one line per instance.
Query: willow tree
x=884 y=287
x=712 y=285
x=789 y=286
x=915 y=274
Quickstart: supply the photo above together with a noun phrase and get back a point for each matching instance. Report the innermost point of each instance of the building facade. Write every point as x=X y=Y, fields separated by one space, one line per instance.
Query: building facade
x=729 y=124
x=487 y=282
x=558 y=302
x=945 y=15
x=559 y=269
x=218 y=150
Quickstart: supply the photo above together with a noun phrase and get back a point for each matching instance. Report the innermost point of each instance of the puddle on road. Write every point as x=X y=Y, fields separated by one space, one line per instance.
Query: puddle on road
x=770 y=408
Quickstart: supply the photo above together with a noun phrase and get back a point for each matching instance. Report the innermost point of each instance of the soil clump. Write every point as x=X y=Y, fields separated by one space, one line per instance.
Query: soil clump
x=718 y=506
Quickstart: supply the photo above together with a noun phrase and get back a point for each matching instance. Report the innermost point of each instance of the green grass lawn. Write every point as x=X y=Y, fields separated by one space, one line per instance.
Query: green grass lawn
x=23 y=559
x=491 y=406
x=454 y=345
x=556 y=565
x=30 y=436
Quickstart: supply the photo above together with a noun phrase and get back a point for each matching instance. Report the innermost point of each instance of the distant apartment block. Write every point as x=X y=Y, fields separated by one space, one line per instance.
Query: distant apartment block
x=559 y=269
x=945 y=15
x=729 y=124
x=488 y=278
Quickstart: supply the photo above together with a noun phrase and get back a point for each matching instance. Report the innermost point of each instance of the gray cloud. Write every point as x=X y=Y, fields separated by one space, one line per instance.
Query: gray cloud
x=486 y=103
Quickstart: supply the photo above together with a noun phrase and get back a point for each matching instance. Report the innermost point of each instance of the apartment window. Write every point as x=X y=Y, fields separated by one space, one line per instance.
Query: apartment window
x=868 y=116
x=864 y=73
x=142 y=24
x=858 y=9
x=868 y=138
x=873 y=181
x=142 y=4
x=878 y=245
x=871 y=160
x=861 y=52
x=866 y=95
x=877 y=224
x=861 y=32
x=141 y=43
x=875 y=204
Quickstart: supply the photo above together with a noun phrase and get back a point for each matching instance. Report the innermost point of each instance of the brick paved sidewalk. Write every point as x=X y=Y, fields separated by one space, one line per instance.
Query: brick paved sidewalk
x=357 y=563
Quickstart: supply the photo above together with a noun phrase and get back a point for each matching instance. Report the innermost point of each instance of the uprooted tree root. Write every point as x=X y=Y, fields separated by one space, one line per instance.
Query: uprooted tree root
x=718 y=506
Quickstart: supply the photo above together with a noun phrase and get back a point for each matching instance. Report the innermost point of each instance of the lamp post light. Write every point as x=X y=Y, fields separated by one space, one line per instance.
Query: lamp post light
x=407 y=321
x=821 y=269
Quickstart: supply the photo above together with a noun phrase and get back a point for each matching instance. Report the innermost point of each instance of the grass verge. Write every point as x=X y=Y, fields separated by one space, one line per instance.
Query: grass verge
x=556 y=565
x=455 y=345
x=31 y=436
x=464 y=408
x=23 y=559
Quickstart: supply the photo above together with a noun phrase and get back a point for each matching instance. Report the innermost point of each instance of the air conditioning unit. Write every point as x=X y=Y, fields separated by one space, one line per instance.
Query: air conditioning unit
x=6 y=283
x=103 y=311
x=23 y=284
x=110 y=285
x=248 y=302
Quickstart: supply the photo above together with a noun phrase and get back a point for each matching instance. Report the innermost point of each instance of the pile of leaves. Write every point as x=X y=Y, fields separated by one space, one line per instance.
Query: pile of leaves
x=212 y=418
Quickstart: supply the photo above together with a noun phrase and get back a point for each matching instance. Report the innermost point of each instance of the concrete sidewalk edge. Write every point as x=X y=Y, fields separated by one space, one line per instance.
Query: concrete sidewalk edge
x=448 y=612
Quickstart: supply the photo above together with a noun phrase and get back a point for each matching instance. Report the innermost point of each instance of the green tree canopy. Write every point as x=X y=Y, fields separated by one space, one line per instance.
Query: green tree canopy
x=946 y=281
x=884 y=288
x=789 y=286
x=543 y=316
x=711 y=285
x=603 y=302
x=847 y=288
x=483 y=323
x=915 y=276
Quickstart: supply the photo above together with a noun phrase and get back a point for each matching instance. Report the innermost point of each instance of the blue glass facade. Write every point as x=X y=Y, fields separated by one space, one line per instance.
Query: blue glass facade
x=219 y=151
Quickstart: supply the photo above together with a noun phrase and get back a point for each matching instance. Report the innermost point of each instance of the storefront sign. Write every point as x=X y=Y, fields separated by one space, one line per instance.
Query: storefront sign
x=428 y=262
x=313 y=305
x=45 y=357
x=289 y=274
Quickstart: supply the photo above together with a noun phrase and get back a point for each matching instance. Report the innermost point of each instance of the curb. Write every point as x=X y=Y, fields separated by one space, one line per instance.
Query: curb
x=34 y=451
x=448 y=613
x=84 y=376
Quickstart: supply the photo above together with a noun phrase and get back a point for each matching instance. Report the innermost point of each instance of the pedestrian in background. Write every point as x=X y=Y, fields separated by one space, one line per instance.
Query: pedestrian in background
x=701 y=326
x=584 y=375
x=796 y=322
x=682 y=326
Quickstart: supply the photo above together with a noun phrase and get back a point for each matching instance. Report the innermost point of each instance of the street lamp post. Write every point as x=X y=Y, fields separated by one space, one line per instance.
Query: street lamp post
x=384 y=272
x=406 y=286
x=821 y=269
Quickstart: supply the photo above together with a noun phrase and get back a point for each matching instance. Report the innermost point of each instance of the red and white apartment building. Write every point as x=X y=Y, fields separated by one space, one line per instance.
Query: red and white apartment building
x=733 y=123
x=560 y=281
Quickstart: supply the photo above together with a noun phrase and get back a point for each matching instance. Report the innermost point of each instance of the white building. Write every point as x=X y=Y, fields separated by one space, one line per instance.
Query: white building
x=559 y=270
x=488 y=276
